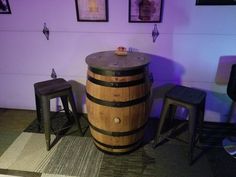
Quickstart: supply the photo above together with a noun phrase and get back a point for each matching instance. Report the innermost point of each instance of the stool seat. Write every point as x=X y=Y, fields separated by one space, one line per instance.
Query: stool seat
x=51 y=86
x=186 y=94
x=47 y=90
x=194 y=101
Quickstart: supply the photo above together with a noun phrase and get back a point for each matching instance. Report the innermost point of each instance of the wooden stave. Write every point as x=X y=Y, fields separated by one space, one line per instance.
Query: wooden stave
x=132 y=141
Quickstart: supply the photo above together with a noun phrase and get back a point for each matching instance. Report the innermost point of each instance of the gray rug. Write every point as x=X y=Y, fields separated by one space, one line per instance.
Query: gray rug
x=77 y=156
x=169 y=160
x=71 y=156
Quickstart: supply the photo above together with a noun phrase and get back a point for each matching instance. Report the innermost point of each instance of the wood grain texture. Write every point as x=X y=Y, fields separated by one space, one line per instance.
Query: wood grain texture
x=106 y=120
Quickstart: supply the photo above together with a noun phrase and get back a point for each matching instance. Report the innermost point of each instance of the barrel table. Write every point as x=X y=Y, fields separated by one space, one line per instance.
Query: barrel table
x=117 y=101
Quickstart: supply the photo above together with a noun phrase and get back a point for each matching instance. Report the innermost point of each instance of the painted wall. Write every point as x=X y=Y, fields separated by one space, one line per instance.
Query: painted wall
x=192 y=41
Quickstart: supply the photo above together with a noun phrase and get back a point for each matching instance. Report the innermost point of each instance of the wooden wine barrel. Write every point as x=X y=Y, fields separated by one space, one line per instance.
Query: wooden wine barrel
x=118 y=91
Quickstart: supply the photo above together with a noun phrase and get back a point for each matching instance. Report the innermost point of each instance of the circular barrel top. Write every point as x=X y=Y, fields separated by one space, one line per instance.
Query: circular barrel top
x=108 y=60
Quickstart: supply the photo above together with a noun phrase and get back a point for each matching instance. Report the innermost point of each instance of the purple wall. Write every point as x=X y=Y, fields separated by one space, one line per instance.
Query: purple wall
x=192 y=40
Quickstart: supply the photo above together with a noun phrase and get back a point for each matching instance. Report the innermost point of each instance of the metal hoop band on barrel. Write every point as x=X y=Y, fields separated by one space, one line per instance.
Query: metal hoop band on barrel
x=116 y=84
x=117 y=104
x=118 y=134
x=119 y=147
x=117 y=73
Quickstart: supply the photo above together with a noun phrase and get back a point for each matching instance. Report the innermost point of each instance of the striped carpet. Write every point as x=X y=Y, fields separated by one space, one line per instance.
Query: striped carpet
x=168 y=160
x=72 y=156
x=77 y=156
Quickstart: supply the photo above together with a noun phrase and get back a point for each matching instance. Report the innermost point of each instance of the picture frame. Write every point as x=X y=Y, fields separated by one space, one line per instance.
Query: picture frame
x=5 y=7
x=92 y=10
x=145 y=11
x=215 y=2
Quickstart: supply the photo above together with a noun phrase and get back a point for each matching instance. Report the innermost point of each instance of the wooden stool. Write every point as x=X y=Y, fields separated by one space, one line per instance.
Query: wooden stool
x=46 y=90
x=191 y=99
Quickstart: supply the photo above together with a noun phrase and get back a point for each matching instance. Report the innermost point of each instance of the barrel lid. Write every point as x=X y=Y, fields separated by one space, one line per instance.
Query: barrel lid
x=109 y=60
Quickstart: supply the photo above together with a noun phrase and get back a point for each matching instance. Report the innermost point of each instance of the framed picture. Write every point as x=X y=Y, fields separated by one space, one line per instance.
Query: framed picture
x=145 y=11
x=4 y=7
x=92 y=10
x=215 y=2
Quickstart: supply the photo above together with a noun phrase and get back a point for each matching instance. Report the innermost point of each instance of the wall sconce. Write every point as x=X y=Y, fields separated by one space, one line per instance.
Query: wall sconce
x=53 y=74
x=46 y=31
x=155 y=33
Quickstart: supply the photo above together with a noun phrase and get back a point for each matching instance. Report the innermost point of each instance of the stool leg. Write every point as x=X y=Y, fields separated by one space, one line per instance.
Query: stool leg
x=74 y=112
x=45 y=104
x=171 y=116
x=192 y=132
x=66 y=108
x=201 y=115
x=161 y=122
x=38 y=111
